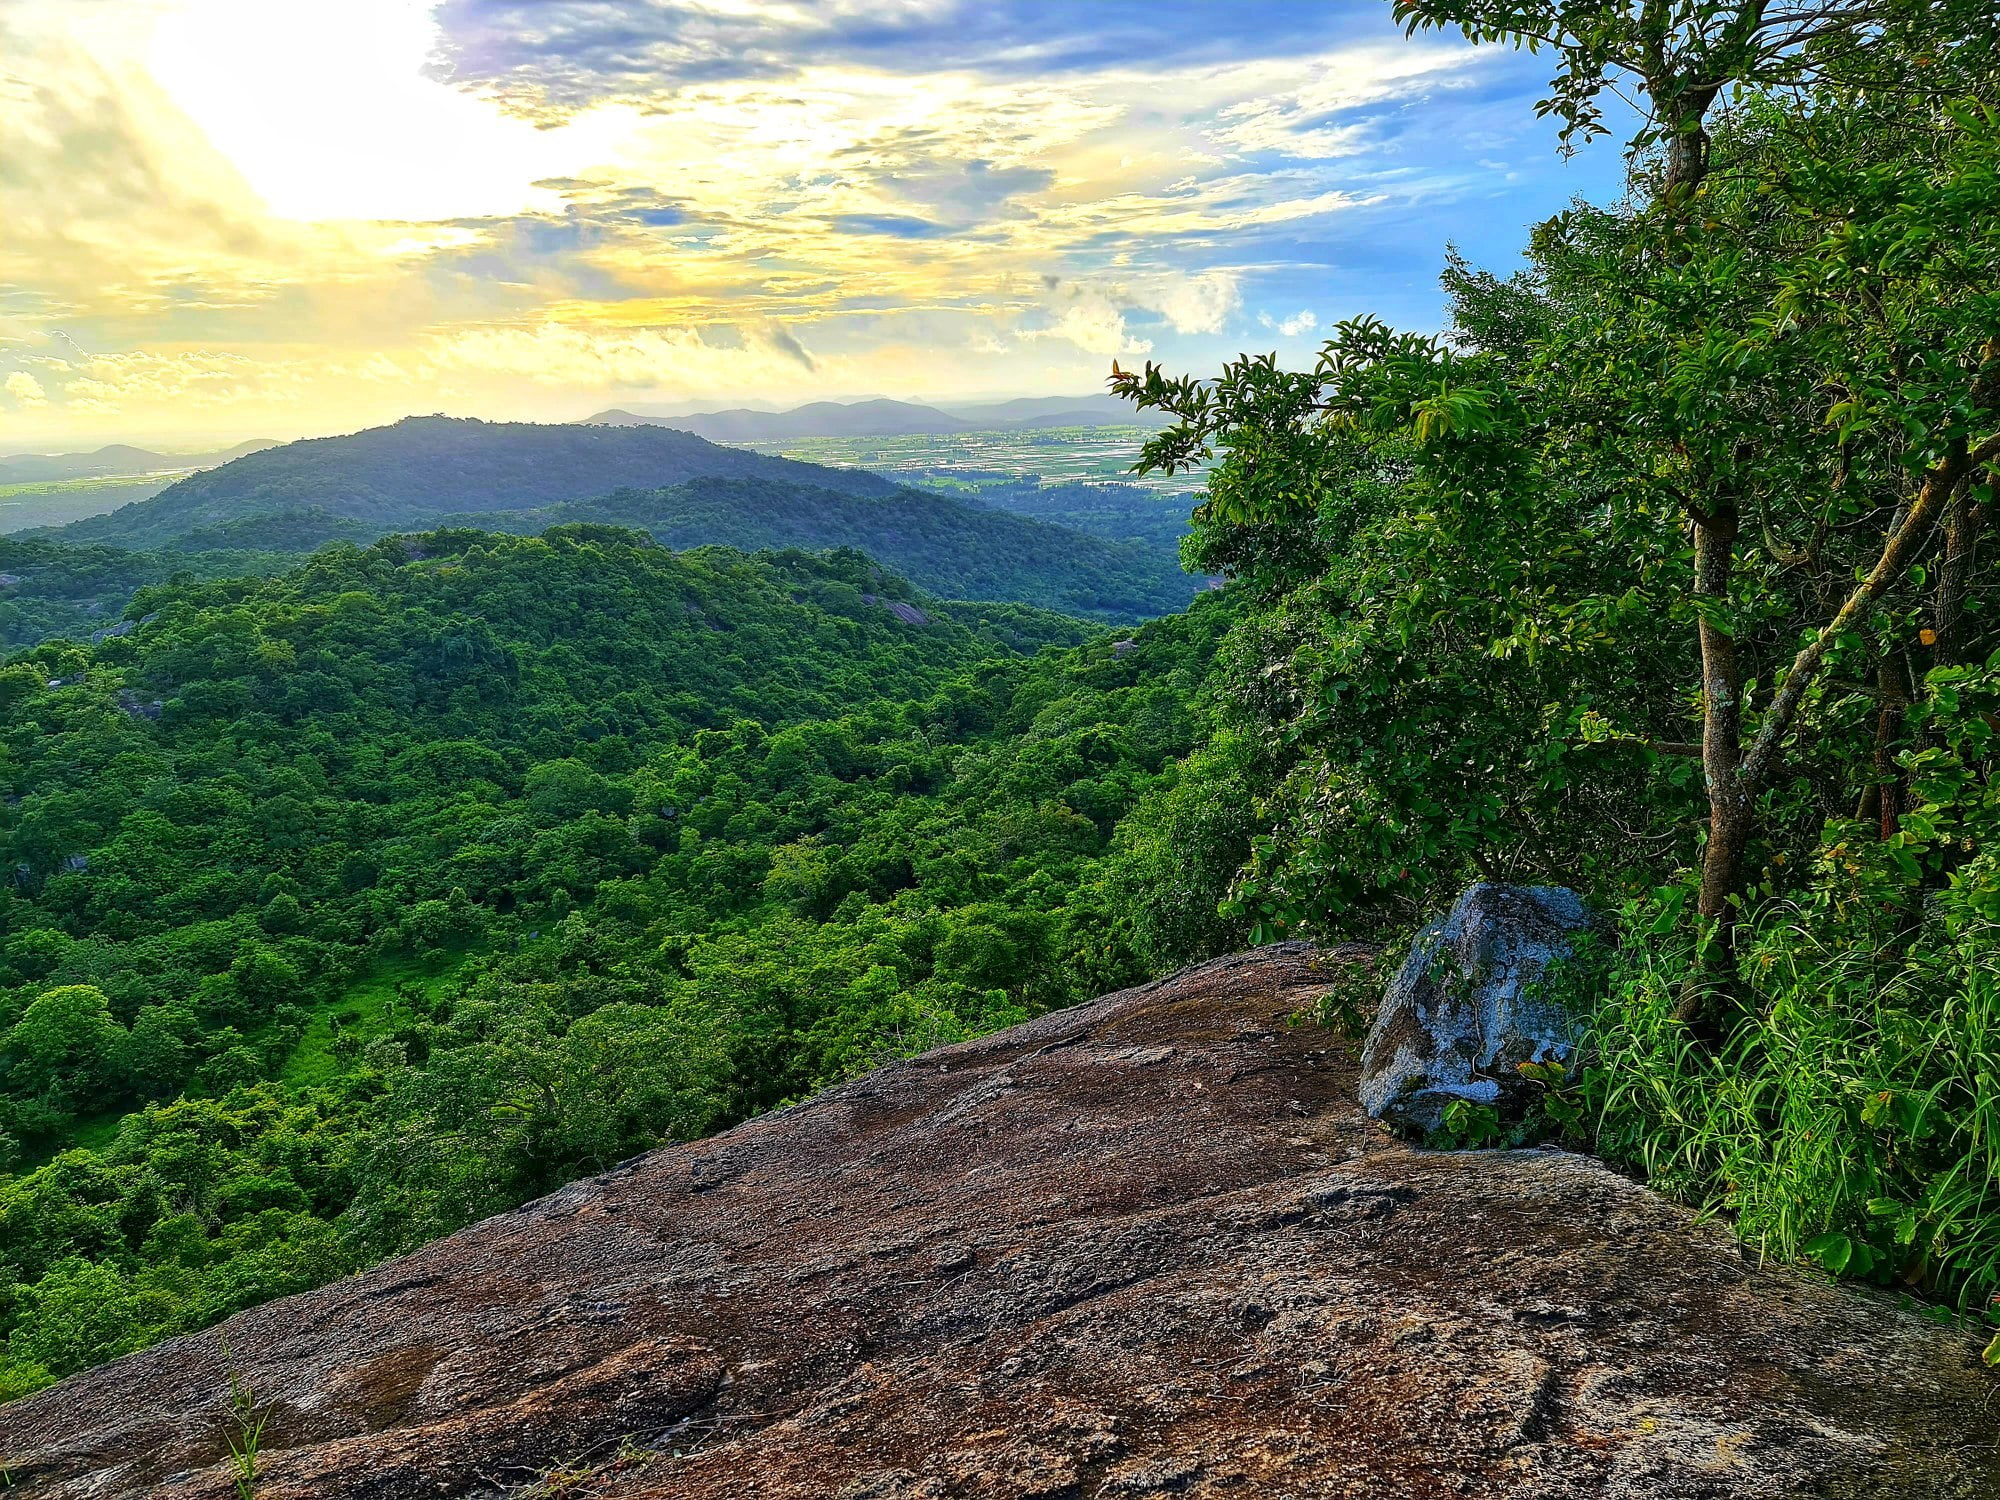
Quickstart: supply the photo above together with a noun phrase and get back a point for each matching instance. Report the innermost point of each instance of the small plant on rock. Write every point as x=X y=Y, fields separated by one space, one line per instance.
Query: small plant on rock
x=248 y=1422
x=1469 y=1126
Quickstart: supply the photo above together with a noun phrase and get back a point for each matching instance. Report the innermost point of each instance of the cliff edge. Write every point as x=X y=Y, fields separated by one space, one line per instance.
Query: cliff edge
x=1147 y=1246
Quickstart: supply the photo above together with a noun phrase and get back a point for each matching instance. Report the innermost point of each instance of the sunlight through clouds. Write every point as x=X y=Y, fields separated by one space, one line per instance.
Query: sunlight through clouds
x=345 y=125
x=233 y=216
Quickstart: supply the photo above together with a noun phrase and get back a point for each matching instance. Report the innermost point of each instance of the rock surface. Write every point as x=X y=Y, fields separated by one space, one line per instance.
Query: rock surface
x=1463 y=1013
x=1145 y=1247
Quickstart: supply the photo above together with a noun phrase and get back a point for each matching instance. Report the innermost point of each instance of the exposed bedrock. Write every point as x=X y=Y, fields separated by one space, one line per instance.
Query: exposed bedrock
x=1148 y=1246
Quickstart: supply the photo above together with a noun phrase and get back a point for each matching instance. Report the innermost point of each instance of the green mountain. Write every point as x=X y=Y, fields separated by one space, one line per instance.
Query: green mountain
x=518 y=477
x=398 y=477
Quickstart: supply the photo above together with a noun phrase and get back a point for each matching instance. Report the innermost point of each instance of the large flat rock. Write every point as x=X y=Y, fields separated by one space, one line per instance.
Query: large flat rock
x=1148 y=1246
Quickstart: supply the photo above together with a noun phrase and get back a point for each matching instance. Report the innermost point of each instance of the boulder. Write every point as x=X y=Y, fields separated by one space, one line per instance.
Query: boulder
x=1467 y=1008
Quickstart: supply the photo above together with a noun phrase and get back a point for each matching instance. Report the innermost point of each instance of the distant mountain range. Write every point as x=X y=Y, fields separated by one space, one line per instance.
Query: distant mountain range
x=427 y=472
x=425 y=469
x=880 y=418
x=117 y=461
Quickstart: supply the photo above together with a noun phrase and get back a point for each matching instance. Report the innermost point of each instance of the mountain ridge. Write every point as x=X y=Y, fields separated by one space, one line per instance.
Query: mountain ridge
x=877 y=418
x=521 y=478
x=117 y=460
x=420 y=468
x=881 y=417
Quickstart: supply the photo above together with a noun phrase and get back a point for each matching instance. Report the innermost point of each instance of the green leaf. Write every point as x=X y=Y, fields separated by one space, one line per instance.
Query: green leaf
x=1832 y=1250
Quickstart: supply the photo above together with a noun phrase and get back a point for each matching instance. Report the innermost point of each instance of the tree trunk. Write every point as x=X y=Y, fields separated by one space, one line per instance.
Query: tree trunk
x=1687 y=136
x=1892 y=702
x=1962 y=524
x=1687 y=163
x=1729 y=819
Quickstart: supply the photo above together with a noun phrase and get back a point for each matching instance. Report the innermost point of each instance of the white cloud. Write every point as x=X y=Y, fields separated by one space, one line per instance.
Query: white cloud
x=1299 y=322
x=271 y=216
x=1096 y=327
x=1293 y=117
x=560 y=354
x=1202 y=304
x=1091 y=317
x=25 y=389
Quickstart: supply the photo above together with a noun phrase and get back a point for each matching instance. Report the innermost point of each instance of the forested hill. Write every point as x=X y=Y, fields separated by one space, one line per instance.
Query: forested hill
x=356 y=904
x=393 y=478
x=583 y=633
x=943 y=545
x=428 y=472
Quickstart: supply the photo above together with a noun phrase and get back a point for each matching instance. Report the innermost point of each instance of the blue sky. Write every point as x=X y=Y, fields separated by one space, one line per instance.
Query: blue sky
x=230 y=217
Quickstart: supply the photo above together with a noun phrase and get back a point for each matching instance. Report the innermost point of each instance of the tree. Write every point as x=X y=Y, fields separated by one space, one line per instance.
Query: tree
x=1682 y=55
x=66 y=1048
x=1793 y=337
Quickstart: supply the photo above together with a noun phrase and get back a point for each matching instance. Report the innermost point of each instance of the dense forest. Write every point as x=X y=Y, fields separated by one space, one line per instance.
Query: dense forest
x=49 y=589
x=357 y=903
x=353 y=903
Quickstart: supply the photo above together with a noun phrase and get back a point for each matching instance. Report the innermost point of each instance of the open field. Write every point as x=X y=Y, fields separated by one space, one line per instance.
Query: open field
x=57 y=502
x=1055 y=455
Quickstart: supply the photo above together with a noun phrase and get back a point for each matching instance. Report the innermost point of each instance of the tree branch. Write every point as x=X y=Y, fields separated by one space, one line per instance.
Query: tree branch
x=1896 y=555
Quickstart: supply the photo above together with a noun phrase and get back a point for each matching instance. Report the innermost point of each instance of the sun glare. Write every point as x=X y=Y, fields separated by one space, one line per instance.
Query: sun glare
x=323 y=107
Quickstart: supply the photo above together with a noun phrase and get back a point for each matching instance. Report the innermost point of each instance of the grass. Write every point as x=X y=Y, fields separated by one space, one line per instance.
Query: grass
x=1853 y=1119
x=248 y=1420
x=372 y=1007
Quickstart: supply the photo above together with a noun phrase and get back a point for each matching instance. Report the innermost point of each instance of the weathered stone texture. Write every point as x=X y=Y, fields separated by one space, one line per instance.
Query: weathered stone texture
x=1146 y=1247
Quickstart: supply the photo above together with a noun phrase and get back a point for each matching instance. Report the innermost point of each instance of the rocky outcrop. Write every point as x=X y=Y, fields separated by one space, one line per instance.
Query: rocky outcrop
x=1466 y=1009
x=909 y=614
x=1145 y=1247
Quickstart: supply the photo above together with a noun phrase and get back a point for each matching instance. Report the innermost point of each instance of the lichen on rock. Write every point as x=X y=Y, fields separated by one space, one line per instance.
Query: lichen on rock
x=1470 y=1005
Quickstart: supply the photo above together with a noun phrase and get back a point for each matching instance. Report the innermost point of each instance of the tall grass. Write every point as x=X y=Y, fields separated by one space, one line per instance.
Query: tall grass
x=1853 y=1117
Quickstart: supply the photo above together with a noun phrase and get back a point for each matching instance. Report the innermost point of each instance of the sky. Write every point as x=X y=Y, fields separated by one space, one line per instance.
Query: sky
x=226 y=219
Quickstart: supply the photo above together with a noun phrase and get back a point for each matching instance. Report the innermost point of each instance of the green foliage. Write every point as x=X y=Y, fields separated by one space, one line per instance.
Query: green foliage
x=1851 y=1117
x=1662 y=573
x=80 y=592
x=1470 y=1127
x=457 y=867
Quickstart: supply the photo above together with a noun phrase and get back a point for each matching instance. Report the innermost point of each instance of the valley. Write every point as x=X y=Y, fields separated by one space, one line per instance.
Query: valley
x=502 y=821
x=1096 y=455
x=1354 y=850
